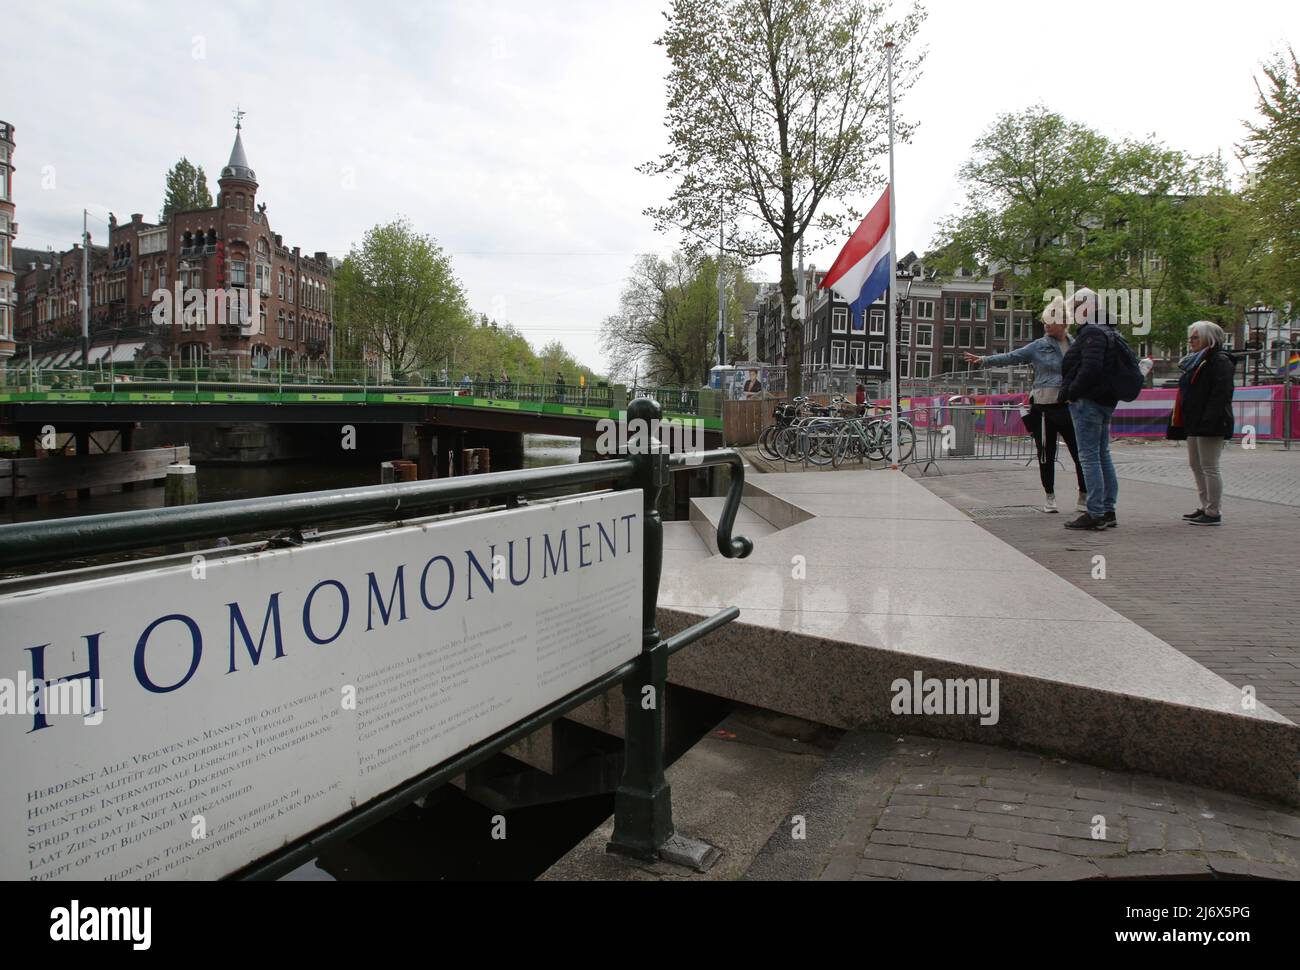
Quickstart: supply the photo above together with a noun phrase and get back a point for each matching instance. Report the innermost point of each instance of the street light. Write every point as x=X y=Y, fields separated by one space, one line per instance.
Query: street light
x=1255 y=317
x=903 y=297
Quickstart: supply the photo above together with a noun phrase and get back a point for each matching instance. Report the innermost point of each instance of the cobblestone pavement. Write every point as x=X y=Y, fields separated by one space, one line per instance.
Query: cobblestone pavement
x=949 y=810
x=1266 y=473
x=1225 y=596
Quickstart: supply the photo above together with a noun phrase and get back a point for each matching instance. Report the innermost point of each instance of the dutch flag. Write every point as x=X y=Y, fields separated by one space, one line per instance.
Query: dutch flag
x=860 y=274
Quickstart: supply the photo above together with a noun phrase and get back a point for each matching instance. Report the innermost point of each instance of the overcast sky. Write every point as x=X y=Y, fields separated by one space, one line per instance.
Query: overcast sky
x=510 y=131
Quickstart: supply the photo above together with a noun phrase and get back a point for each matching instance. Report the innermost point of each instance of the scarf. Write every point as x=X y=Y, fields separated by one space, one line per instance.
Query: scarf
x=1191 y=364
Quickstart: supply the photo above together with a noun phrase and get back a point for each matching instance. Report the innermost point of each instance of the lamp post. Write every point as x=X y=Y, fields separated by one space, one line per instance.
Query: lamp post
x=1255 y=321
x=900 y=308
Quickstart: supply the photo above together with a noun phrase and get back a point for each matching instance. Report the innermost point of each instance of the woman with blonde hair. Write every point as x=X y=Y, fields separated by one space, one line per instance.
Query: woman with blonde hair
x=1202 y=415
x=1048 y=415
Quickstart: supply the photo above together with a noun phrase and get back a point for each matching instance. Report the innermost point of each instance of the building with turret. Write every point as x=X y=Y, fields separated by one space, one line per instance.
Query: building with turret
x=228 y=247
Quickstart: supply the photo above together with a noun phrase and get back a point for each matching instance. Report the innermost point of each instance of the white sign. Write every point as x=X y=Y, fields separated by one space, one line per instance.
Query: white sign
x=242 y=702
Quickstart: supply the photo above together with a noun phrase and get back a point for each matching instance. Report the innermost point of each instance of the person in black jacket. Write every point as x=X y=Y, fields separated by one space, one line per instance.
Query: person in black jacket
x=1202 y=415
x=1085 y=381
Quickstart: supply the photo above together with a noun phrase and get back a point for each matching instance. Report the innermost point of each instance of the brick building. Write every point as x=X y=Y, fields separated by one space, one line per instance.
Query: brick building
x=8 y=229
x=230 y=246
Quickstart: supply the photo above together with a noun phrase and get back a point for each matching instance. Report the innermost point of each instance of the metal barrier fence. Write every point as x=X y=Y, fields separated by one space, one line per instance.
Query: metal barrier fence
x=973 y=432
x=643 y=822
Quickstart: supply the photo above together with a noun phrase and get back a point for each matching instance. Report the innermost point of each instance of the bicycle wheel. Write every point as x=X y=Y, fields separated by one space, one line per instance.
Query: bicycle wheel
x=875 y=445
x=766 y=440
x=787 y=444
x=906 y=440
x=847 y=447
x=819 y=444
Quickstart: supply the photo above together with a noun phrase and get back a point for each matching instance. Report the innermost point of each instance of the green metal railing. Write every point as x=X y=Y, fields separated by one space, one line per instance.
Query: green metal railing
x=643 y=811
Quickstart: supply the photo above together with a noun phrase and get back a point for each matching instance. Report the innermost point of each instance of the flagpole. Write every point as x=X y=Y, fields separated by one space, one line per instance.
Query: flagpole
x=893 y=275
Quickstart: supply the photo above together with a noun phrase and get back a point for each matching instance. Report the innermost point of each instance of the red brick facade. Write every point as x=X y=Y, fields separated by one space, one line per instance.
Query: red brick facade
x=229 y=246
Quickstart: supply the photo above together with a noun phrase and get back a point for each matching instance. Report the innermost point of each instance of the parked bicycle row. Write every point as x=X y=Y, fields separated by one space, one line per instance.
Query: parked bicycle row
x=833 y=434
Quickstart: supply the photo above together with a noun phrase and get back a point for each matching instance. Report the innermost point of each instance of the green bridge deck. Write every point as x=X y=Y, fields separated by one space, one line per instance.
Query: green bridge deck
x=272 y=396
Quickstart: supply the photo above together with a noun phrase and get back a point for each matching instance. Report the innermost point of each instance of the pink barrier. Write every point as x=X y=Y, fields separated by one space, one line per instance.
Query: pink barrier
x=1262 y=408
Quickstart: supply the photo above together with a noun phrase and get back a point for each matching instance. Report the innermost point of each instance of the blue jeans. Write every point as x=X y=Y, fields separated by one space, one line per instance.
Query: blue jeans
x=1092 y=429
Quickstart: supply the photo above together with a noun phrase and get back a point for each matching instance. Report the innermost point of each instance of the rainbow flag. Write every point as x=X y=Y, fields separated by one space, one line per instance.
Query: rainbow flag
x=1290 y=367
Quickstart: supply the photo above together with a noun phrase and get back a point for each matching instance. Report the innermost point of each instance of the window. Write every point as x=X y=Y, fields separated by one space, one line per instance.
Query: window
x=904 y=334
x=162 y=276
x=290 y=333
x=902 y=366
x=981 y=309
x=856 y=353
x=999 y=303
x=947 y=364
x=261 y=318
x=144 y=282
x=999 y=328
x=877 y=323
x=279 y=322
x=950 y=336
x=877 y=357
x=950 y=308
x=925 y=309
x=860 y=322
x=922 y=367
x=238 y=273
x=906 y=308
x=282 y=284
x=264 y=279
x=837 y=353
x=965 y=309
x=153 y=242
x=839 y=319
x=981 y=336
x=924 y=336
x=963 y=335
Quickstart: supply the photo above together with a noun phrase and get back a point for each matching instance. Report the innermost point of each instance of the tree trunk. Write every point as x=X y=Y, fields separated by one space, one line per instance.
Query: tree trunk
x=793 y=327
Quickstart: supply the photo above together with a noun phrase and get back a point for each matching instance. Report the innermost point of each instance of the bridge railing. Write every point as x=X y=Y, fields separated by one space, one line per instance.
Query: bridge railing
x=643 y=813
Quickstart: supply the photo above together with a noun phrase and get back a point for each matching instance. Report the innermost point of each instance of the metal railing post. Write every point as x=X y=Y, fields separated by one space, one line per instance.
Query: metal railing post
x=643 y=814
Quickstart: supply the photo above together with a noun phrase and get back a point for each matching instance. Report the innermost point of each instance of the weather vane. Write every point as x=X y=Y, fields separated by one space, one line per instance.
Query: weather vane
x=239 y=117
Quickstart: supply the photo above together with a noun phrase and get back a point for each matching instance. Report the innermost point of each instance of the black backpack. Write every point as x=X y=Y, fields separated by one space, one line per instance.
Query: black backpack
x=1122 y=370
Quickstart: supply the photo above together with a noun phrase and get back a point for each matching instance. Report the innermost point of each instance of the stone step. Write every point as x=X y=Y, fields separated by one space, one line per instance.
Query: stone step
x=898 y=585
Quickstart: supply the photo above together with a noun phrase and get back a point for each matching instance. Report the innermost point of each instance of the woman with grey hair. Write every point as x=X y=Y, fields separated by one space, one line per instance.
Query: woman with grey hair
x=1202 y=415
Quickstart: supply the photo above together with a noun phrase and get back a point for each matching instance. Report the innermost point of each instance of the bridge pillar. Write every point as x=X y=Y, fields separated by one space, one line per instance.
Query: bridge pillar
x=83 y=451
x=127 y=432
x=427 y=462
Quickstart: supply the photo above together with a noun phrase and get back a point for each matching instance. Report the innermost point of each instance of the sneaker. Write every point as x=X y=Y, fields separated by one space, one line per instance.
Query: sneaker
x=1049 y=504
x=1194 y=515
x=1204 y=519
x=1087 y=523
x=1082 y=504
x=1109 y=519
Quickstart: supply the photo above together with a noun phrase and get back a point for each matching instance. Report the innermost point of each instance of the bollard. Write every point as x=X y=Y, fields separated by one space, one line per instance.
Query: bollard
x=182 y=485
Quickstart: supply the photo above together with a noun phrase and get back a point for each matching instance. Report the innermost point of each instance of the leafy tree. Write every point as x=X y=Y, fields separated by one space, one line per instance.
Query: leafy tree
x=1035 y=185
x=187 y=189
x=1050 y=201
x=396 y=294
x=667 y=323
x=1273 y=148
x=776 y=116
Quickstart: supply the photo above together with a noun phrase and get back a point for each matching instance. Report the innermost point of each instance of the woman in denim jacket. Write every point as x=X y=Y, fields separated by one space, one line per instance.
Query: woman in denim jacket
x=1048 y=415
